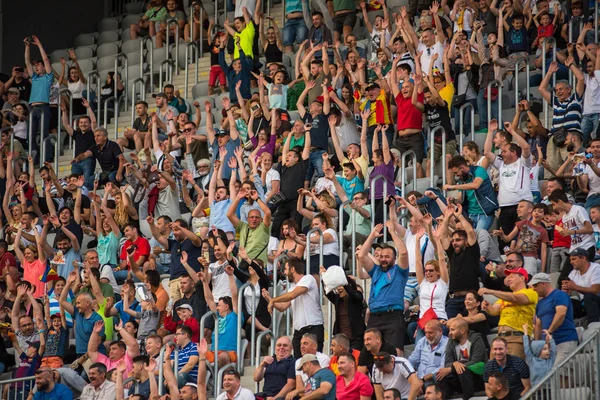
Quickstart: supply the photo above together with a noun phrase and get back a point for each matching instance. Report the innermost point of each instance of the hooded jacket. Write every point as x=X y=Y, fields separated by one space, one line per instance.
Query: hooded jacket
x=477 y=354
x=538 y=367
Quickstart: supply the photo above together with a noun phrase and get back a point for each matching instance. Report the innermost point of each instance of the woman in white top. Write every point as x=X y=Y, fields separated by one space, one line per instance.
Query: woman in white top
x=270 y=177
x=331 y=246
x=76 y=83
x=433 y=282
x=472 y=154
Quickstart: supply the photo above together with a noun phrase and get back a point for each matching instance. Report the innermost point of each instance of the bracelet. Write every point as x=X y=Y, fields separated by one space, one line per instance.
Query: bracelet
x=202 y=359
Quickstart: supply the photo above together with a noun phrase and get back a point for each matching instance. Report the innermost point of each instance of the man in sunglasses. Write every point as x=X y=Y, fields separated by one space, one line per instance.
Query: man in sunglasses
x=47 y=388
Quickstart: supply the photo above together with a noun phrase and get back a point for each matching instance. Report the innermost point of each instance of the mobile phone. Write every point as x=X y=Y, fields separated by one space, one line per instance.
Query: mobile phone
x=254 y=107
x=451 y=200
x=206 y=256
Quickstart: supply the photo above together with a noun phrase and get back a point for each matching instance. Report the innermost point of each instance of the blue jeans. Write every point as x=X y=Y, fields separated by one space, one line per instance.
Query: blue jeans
x=315 y=164
x=482 y=221
x=120 y=276
x=591 y=201
x=466 y=119
x=36 y=126
x=482 y=109
x=294 y=31
x=454 y=306
x=85 y=168
x=589 y=124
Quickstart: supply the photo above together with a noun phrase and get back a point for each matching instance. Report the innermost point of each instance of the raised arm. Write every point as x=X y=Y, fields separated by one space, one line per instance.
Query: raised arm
x=546 y=82
x=45 y=59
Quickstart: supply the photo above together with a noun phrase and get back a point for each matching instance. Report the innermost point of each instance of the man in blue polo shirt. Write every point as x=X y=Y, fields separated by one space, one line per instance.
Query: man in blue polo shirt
x=554 y=312
x=388 y=280
x=277 y=371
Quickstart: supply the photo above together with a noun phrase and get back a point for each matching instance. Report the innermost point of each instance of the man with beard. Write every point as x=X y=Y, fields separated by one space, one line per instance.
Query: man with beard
x=464 y=349
x=83 y=137
x=47 y=388
x=388 y=280
x=134 y=138
x=428 y=356
x=477 y=193
x=463 y=252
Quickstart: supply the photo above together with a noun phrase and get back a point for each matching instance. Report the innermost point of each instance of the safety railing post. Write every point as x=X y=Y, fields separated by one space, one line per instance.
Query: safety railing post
x=125 y=66
x=31 y=133
x=490 y=85
x=443 y=160
x=187 y=63
x=217 y=11
x=269 y=8
x=596 y=24
x=276 y=313
x=258 y=352
x=307 y=256
x=461 y=116
x=134 y=95
x=151 y=59
x=51 y=139
x=215 y=371
x=58 y=149
x=373 y=206
x=12 y=138
x=168 y=73
x=544 y=51
x=341 y=229
x=170 y=22
x=201 y=44
x=240 y=366
x=527 y=86
x=282 y=14
x=191 y=21
x=413 y=158
x=24 y=393
x=220 y=377
x=432 y=153
x=161 y=371
x=92 y=77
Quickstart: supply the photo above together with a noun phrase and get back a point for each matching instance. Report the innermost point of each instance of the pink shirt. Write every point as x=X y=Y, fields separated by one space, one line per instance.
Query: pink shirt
x=360 y=386
x=32 y=273
x=113 y=364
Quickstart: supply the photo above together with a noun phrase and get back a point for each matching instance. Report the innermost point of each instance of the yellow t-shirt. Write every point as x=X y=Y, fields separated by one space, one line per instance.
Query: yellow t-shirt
x=447 y=93
x=515 y=315
x=246 y=39
x=363 y=161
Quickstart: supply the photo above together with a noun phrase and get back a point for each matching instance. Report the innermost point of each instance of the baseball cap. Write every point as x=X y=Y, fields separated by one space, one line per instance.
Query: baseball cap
x=306 y=358
x=520 y=271
x=580 y=252
x=186 y=306
x=161 y=94
x=34 y=344
x=55 y=315
x=373 y=85
x=539 y=278
x=222 y=132
x=14 y=90
x=191 y=384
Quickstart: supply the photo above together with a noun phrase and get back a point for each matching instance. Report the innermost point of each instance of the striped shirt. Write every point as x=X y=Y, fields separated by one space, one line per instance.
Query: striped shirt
x=398 y=379
x=515 y=370
x=567 y=114
x=183 y=356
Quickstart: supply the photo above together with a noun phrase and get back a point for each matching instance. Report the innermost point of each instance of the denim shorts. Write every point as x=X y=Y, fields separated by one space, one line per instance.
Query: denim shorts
x=294 y=31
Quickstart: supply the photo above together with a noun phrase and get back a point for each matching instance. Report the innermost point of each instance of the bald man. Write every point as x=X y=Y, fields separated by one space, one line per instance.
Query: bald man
x=277 y=371
x=465 y=352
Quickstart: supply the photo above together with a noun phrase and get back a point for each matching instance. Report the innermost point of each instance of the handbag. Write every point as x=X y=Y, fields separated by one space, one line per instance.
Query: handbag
x=458 y=100
x=560 y=137
x=429 y=314
x=277 y=199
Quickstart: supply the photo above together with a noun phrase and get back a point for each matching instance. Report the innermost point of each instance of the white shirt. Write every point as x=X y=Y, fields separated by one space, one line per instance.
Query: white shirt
x=168 y=203
x=241 y=394
x=409 y=240
x=593 y=180
x=514 y=182
x=248 y=298
x=220 y=280
x=332 y=248
x=591 y=97
x=106 y=272
x=272 y=249
x=272 y=175
x=534 y=178
x=398 y=379
x=428 y=52
x=574 y=220
x=347 y=132
x=426 y=288
x=105 y=391
x=591 y=277
x=306 y=307
x=323 y=362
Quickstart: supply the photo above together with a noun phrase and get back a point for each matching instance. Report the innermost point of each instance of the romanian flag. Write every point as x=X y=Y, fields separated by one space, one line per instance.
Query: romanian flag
x=49 y=274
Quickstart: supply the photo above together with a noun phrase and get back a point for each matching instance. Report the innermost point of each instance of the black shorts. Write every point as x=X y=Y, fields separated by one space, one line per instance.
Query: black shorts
x=414 y=142
x=391 y=326
x=342 y=20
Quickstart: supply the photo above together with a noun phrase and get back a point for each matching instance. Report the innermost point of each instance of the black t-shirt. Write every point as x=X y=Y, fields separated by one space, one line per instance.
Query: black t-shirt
x=193 y=252
x=108 y=156
x=439 y=115
x=140 y=126
x=84 y=141
x=464 y=269
x=196 y=300
x=285 y=126
x=259 y=124
x=365 y=359
x=319 y=132
x=70 y=201
x=292 y=179
x=214 y=54
x=24 y=87
x=75 y=229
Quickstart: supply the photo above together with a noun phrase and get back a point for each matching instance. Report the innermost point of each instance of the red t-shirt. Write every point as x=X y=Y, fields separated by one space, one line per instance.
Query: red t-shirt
x=409 y=116
x=560 y=240
x=360 y=386
x=143 y=249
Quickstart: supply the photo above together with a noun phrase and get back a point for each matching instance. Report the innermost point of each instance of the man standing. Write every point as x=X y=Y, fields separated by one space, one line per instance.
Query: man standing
x=321 y=381
x=514 y=368
x=584 y=280
x=395 y=372
x=515 y=309
x=388 y=279
x=47 y=388
x=83 y=137
x=108 y=154
x=351 y=384
x=465 y=351
x=99 y=387
x=428 y=356
x=277 y=371
x=554 y=313
x=303 y=297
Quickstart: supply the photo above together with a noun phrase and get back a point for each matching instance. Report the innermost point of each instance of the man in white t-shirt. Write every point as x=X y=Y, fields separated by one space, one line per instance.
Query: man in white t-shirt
x=590 y=179
x=591 y=100
x=577 y=224
x=430 y=43
x=395 y=372
x=585 y=281
x=216 y=274
x=514 y=183
x=303 y=297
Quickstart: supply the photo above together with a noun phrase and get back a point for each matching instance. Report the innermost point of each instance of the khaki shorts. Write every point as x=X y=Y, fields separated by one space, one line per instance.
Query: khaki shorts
x=450 y=149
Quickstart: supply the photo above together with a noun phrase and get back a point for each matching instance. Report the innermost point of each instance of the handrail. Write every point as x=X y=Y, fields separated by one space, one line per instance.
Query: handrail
x=259 y=348
x=220 y=376
x=201 y=34
x=554 y=376
x=214 y=315
x=118 y=57
x=217 y=12
x=252 y=313
x=571 y=21
x=413 y=156
x=307 y=256
x=17 y=380
x=499 y=101
x=169 y=23
x=93 y=74
x=341 y=234
x=161 y=372
x=527 y=85
x=373 y=208
x=53 y=140
x=544 y=51
x=133 y=96
x=461 y=112
x=35 y=110
x=57 y=150
x=168 y=73
x=432 y=152
x=151 y=57
x=275 y=318
x=595 y=26
x=116 y=116
x=187 y=62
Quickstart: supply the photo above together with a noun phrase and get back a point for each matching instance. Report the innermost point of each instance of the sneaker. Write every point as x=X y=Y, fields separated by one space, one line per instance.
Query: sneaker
x=484 y=130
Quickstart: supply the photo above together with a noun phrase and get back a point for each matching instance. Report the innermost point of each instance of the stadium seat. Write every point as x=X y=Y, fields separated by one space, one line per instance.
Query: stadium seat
x=131 y=46
x=107 y=49
x=109 y=37
x=84 y=52
x=84 y=39
x=200 y=89
x=108 y=24
x=129 y=20
x=136 y=7
x=56 y=55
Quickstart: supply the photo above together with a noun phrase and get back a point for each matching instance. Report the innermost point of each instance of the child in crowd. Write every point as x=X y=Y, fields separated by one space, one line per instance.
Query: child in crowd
x=540 y=355
x=57 y=338
x=545 y=27
x=185 y=314
x=560 y=243
x=149 y=316
x=216 y=72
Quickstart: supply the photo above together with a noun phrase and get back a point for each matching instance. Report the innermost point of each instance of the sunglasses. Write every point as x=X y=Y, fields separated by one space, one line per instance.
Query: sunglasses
x=187 y=130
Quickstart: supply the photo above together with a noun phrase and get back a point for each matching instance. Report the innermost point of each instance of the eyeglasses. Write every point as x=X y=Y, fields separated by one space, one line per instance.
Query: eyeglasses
x=187 y=130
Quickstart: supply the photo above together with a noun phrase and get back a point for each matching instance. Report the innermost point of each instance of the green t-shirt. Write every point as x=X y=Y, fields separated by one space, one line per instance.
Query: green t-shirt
x=293 y=95
x=339 y=5
x=474 y=207
x=295 y=142
x=156 y=14
x=255 y=241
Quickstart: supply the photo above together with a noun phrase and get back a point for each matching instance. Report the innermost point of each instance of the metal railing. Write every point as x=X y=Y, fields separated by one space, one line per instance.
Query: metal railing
x=215 y=370
x=432 y=152
x=282 y=14
x=168 y=72
x=527 y=84
x=161 y=371
x=576 y=377
x=32 y=134
x=275 y=318
x=413 y=157
x=187 y=65
x=52 y=139
x=307 y=256
x=150 y=57
x=490 y=85
x=94 y=74
x=58 y=147
x=341 y=234
x=15 y=390
x=168 y=55
x=544 y=70
x=461 y=115
x=373 y=206
x=571 y=80
x=116 y=114
x=134 y=95
x=219 y=377
x=258 y=352
x=240 y=322
x=119 y=57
